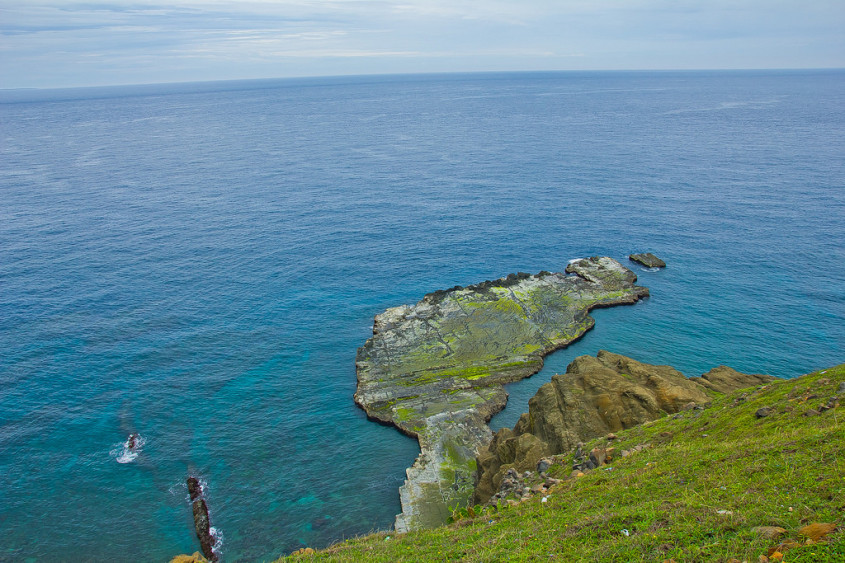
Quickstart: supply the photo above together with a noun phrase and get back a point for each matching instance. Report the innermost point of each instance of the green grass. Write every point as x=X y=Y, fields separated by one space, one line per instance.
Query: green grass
x=705 y=479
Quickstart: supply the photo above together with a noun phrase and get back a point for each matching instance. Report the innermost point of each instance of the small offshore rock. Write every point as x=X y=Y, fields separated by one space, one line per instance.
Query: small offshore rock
x=769 y=532
x=763 y=412
x=201 y=519
x=647 y=259
x=194 y=488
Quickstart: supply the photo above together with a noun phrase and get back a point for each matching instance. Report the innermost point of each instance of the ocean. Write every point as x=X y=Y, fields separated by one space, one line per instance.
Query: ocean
x=198 y=263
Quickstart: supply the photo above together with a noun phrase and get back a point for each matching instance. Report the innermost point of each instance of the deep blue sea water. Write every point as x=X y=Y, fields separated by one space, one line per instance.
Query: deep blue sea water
x=198 y=263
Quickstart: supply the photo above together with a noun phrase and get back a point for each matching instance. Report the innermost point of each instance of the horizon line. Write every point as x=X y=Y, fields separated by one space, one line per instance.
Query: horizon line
x=410 y=74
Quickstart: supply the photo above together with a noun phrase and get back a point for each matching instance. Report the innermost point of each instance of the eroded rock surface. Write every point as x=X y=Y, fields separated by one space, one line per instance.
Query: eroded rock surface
x=596 y=396
x=436 y=369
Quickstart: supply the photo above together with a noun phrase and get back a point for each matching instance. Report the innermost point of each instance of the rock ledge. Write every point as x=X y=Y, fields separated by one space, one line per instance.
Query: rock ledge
x=596 y=397
x=435 y=370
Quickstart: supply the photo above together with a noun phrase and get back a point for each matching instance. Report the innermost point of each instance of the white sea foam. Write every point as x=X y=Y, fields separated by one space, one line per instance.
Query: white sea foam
x=218 y=540
x=574 y=260
x=122 y=453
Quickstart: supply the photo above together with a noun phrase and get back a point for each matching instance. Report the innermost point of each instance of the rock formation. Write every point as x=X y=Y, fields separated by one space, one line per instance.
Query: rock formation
x=595 y=397
x=648 y=260
x=436 y=369
x=201 y=521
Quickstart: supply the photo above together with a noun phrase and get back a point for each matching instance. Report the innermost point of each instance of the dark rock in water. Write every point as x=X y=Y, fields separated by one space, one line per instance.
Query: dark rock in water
x=437 y=369
x=596 y=396
x=320 y=523
x=203 y=527
x=648 y=260
x=194 y=488
x=202 y=524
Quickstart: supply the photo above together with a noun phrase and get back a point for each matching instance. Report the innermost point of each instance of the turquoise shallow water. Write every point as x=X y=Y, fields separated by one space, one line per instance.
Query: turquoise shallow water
x=198 y=264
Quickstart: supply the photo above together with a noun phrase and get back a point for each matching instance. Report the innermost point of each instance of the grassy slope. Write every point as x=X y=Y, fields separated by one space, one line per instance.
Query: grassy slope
x=670 y=494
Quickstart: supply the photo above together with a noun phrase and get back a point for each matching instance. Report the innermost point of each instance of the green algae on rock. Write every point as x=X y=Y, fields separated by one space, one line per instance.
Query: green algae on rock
x=436 y=369
x=648 y=260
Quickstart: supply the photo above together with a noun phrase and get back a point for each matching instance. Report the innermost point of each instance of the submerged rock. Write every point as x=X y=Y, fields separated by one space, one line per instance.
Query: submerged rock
x=436 y=369
x=648 y=260
x=596 y=396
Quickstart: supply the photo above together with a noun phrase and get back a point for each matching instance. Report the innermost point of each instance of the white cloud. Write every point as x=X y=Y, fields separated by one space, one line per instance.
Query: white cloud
x=42 y=40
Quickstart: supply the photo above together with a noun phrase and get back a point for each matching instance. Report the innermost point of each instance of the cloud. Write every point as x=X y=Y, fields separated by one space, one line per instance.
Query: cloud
x=52 y=41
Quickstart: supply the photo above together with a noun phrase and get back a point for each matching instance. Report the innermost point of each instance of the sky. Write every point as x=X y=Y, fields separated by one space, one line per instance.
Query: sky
x=60 y=43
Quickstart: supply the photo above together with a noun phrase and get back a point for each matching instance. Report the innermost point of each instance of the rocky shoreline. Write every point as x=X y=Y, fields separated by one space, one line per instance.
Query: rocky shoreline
x=596 y=397
x=436 y=369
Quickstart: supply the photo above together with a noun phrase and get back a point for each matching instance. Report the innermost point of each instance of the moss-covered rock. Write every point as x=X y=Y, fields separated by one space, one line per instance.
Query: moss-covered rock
x=648 y=260
x=436 y=369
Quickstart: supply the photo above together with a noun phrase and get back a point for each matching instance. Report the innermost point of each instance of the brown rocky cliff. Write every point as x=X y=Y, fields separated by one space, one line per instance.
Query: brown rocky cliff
x=596 y=396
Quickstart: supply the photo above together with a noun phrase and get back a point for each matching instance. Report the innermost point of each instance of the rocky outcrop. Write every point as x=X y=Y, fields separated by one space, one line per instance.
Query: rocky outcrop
x=596 y=396
x=193 y=558
x=723 y=379
x=201 y=520
x=648 y=260
x=436 y=369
